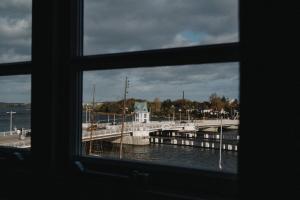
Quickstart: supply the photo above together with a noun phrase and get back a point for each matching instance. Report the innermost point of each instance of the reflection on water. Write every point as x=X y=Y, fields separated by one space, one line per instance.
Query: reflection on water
x=185 y=156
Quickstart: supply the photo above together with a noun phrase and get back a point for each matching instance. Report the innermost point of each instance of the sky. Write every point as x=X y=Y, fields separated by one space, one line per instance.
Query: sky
x=127 y=25
x=112 y=26
x=15 y=30
x=15 y=89
x=197 y=81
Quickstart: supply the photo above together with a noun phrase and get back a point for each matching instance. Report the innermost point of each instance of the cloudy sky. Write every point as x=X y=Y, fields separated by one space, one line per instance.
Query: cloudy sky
x=15 y=89
x=15 y=30
x=127 y=25
x=197 y=81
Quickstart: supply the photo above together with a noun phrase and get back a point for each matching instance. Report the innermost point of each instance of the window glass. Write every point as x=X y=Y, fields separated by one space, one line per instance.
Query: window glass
x=168 y=115
x=112 y=26
x=15 y=111
x=15 y=30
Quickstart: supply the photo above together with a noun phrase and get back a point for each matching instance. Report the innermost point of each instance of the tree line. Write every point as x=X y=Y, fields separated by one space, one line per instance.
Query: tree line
x=176 y=108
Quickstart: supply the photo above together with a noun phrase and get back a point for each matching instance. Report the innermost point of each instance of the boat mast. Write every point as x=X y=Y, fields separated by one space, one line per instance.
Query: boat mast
x=123 y=116
x=93 y=119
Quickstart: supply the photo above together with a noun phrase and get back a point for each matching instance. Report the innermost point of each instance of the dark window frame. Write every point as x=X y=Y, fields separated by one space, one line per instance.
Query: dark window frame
x=223 y=183
x=57 y=46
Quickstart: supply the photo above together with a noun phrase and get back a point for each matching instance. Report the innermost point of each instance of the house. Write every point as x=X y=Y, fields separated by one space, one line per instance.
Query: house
x=141 y=113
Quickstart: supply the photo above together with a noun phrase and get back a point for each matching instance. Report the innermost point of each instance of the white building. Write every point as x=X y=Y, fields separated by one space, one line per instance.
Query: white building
x=141 y=113
x=206 y=111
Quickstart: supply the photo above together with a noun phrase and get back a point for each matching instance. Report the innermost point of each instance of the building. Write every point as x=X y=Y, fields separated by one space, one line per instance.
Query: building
x=141 y=113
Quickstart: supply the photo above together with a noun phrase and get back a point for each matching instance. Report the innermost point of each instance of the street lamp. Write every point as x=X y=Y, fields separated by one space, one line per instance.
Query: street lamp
x=86 y=113
x=188 y=115
x=11 y=113
x=179 y=115
x=221 y=138
x=173 y=112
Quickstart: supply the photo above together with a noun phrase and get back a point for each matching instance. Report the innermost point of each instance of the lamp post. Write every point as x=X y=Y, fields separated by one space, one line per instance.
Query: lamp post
x=86 y=113
x=11 y=113
x=89 y=112
x=188 y=115
x=173 y=112
x=221 y=138
x=179 y=115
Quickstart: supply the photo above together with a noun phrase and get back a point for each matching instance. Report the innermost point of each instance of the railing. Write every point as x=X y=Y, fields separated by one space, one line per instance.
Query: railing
x=20 y=144
x=152 y=126
x=15 y=132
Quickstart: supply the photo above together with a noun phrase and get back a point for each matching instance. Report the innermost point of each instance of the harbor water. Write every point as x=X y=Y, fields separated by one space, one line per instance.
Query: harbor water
x=183 y=156
x=21 y=119
x=166 y=154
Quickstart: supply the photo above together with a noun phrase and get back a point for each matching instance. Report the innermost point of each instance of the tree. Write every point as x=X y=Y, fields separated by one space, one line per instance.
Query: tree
x=156 y=105
x=216 y=102
x=166 y=107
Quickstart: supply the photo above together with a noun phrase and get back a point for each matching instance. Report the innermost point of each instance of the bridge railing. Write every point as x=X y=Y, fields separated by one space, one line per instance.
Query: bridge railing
x=6 y=133
x=15 y=132
x=135 y=126
x=19 y=144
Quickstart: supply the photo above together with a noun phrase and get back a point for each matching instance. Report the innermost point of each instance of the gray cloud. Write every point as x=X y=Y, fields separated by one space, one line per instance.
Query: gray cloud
x=198 y=82
x=15 y=30
x=15 y=89
x=117 y=25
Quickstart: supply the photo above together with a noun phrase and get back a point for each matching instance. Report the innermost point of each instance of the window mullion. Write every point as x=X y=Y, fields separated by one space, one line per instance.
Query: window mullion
x=16 y=68
x=176 y=56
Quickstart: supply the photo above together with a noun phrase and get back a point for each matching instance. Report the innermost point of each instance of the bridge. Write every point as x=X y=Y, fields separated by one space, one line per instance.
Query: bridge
x=108 y=131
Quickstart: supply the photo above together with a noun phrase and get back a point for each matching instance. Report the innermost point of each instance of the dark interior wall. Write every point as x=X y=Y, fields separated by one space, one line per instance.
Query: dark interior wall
x=267 y=159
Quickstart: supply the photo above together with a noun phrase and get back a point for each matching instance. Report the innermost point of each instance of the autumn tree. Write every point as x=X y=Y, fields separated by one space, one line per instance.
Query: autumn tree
x=156 y=105
x=216 y=102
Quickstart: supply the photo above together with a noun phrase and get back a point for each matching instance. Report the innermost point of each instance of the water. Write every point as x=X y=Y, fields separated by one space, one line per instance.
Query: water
x=191 y=157
x=184 y=156
x=21 y=119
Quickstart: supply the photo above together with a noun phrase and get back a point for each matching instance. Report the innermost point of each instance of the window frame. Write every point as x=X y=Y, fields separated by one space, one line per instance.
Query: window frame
x=202 y=54
x=57 y=41
x=212 y=183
